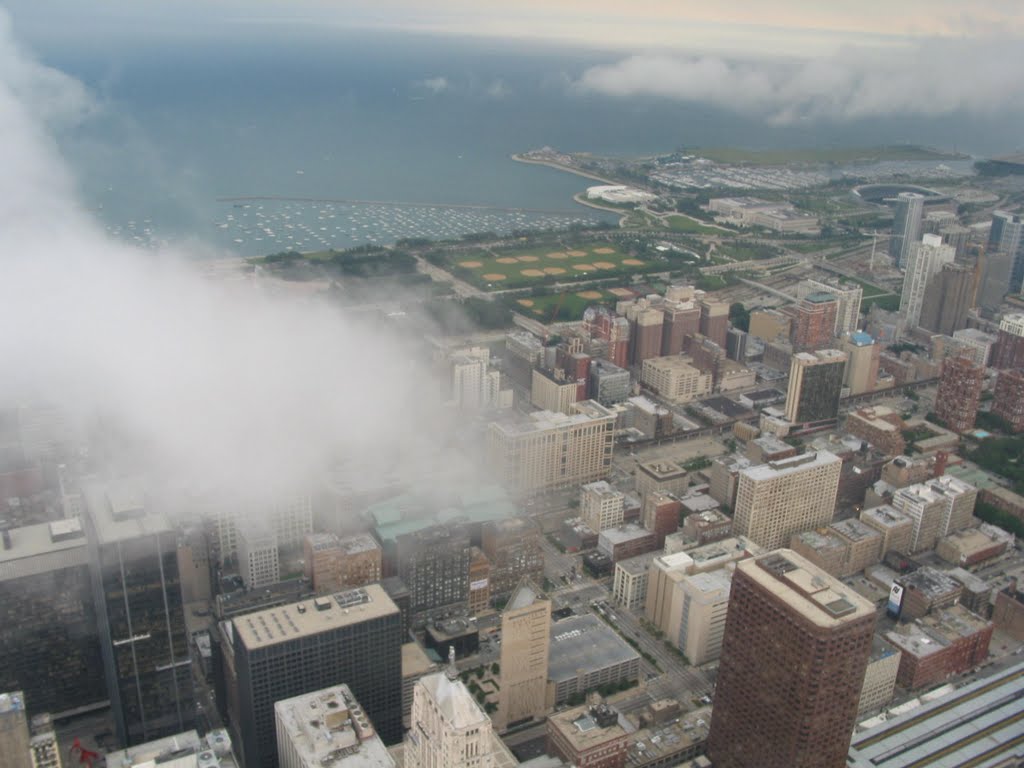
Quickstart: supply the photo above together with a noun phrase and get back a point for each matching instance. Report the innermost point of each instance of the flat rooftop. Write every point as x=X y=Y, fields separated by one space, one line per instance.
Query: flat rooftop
x=310 y=617
x=809 y=590
x=784 y=467
x=934 y=632
x=854 y=530
x=580 y=727
x=661 y=469
x=540 y=421
x=634 y=566
x=624 y=533
x=119 y=513
x=32 y=541
x=929 y=581
x=886 y=516
x=587 y=642
x=978 y=724
x=415 y=661
x=179 y=751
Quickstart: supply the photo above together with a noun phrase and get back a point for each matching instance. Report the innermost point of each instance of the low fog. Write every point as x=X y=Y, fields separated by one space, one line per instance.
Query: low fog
x=927 y=79
x=211 y=384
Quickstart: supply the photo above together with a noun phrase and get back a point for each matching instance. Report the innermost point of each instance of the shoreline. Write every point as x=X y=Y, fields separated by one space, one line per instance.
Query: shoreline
x=567 y=169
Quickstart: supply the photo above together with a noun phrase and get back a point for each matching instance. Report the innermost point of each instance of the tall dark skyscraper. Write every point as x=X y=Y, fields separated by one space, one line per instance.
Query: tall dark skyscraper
x=143 y=637
x=947 y=298
x=906 y=226
x=351 y=637
x=794 y=653
x=815 y=384
x=1007 y=236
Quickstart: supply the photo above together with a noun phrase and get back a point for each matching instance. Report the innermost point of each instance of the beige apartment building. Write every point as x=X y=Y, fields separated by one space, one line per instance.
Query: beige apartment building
x=525 y=646
x=675 y=378
x=601 y=506
x=551 y=393
x=781 y=498
x=705 y=602
x=551 y=450
x=629 y=585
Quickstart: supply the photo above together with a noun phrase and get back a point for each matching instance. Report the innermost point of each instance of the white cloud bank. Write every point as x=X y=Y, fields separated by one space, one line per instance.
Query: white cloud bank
x=937 y=77
x=218 y=385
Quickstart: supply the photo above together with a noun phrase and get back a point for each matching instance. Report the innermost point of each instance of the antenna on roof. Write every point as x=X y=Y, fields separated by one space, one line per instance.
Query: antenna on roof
x=452 y=673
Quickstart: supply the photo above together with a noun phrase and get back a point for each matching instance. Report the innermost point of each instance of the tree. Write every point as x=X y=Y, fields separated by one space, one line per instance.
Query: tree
x=495 y=668
x=739 y=316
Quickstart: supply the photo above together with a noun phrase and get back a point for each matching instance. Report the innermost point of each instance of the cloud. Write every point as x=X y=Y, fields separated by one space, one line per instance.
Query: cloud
x=435 y=84
x=212 y=383
x=936 y=77
x=497 y=90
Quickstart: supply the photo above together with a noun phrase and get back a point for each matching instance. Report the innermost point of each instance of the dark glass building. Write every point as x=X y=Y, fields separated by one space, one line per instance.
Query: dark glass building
x=434 y=564
x=49 y=638
x=138 y=604
x=352 y=637
x=815 y=385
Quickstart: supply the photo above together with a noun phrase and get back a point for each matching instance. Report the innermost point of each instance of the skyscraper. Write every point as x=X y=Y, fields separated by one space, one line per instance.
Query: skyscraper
x=906 y=226
x=815 y=323
x=1009 y=349
x=815 y=385
x=862 y=362
x=1007 y=236
x=959 y=393
x=792 y=666
x=526 y=640
x=924 y=260
x=780 y=498
x=449 y=730
x=351 y=637
x=1009 y=398
x=714 y=320
x=143 y=638
x=996 y=269
x=474 y=386
x=849 y=297
x=947 y=298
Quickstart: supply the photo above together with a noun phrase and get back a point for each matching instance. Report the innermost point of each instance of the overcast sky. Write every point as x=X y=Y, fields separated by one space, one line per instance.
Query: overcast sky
x=792 y=27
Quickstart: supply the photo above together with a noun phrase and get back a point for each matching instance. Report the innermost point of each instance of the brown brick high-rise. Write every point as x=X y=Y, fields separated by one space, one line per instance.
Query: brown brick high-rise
x=794 y=653
x=956 y=402
x=815 y=322
x=1009 y=398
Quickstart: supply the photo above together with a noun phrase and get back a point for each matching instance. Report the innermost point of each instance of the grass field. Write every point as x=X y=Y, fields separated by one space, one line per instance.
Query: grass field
x=568 y=305
x=520 y=267
x=686 y=224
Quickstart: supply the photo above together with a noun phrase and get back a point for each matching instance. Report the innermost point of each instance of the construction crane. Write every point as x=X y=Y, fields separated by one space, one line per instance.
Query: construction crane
x=86 y=757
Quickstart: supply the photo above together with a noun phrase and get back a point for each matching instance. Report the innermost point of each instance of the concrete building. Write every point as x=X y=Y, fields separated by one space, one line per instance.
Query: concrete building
x=44 y=572
x=996 y=276
x=682 y=319
x=879 y=425
x=473 y=386
x=863 y=356
x=770 y=325
x=586 y=654
x=1007 y=236
x=879 y=677
x=725 y=471
x=675 y=379
x=924 y=261
x=648 y=325
x=626 y=541
x=906 y=226
x=14 y=736
x=937 y=507
x=972 y=546
x=848 y=296
x=823 y=549
x=947 y=298
x=609 y=384
x=601 y=506
x=922 y=592
x=714 y=320
x=661 y=608
x=707 y=526
x=290 y=650
x=978 y=723
x=258 y=562
x=327 y=728
x=551 y=393
x=143 y=638
x=705 y=603
x=956 y=402
x=815 y=322
x=629 y=585
x=514 y=550
x=978 y=342
x=792 y=667
x=1009 y=349
x=1009 y=398
x=649 y=418
x=434 y=564
x=949 y=641
x=590 y=736
x=335 y=563
x=776 y=500
x=525 y=649
x=181 y=750
x=863 y=544
x=1008 y=611
x=660 y=516
x=528 y=456
x=603 y=326
x=291 y=518
x=815 y=385
x=415 y=664
x=661 y=475
x=736 y=345
x=449 y=729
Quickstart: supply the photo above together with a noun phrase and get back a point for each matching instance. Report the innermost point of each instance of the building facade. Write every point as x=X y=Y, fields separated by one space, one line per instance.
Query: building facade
x=815 y=323
x=925 y=260
x=601 y=506
x=956 y=402
x=525 y=644
x=675 y=379
x=792 y=667
x=1009 y=398
x=815 y=385
x=906 y=226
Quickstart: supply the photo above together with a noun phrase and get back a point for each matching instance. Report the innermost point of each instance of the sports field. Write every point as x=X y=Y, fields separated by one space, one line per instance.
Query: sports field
x=568 y=305
x=496 y=270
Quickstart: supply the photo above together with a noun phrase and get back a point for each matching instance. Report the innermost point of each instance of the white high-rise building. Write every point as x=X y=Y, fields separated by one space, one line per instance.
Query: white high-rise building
x=474 y=386
x=601 y=506
x=938 y=507
x=924 y=260
x=449 y=730
x=258 y=561
x=780 y=498
x=291 y=518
